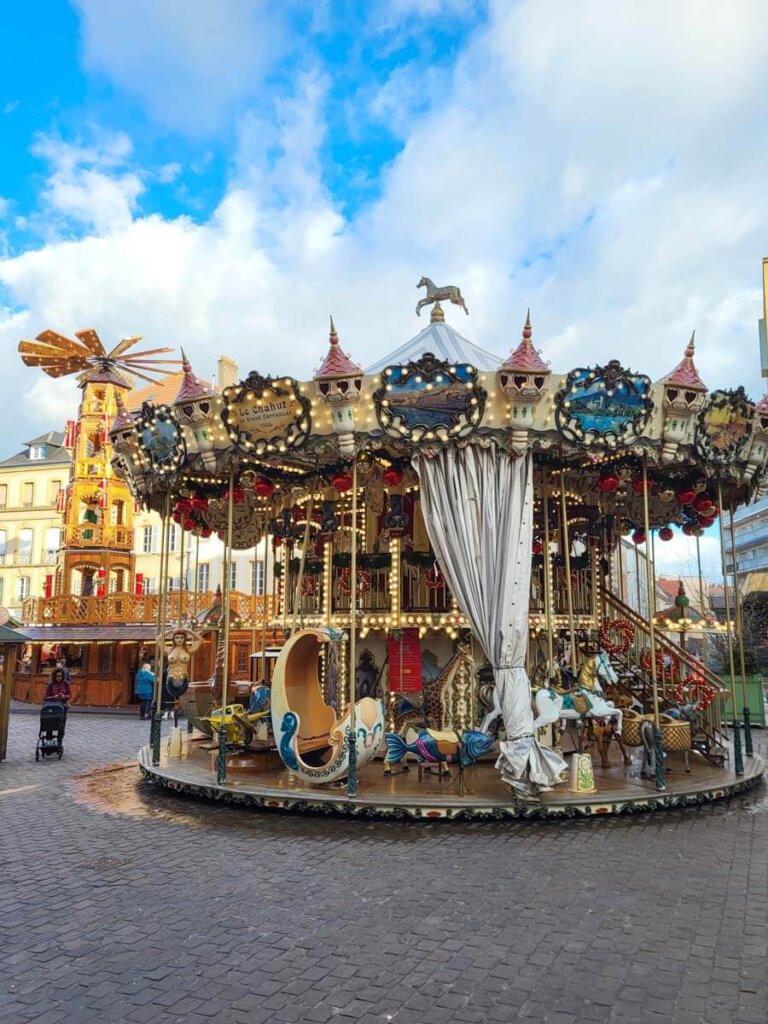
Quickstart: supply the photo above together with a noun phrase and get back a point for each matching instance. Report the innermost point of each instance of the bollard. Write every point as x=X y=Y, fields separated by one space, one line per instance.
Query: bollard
x=738 y=760
x=748 y=734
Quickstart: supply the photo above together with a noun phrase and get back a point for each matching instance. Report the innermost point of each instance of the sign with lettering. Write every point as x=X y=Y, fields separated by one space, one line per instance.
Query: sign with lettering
x=262 y=414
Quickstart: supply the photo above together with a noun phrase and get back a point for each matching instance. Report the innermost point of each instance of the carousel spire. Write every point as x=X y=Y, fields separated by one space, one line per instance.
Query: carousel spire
x=191 y=386
x=336 y=364
x=525 y=357
x=685 y=373
x=123 y=420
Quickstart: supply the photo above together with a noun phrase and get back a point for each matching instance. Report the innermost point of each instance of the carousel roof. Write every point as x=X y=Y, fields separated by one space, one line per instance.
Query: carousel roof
x=191 y=386
x=442 y=341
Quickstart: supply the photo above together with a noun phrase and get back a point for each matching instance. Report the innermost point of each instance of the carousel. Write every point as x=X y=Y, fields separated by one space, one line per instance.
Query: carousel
x=451 y=540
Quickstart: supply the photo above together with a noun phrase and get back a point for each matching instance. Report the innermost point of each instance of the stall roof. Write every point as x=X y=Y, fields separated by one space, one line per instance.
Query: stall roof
x=12 y=636
x=85 y=634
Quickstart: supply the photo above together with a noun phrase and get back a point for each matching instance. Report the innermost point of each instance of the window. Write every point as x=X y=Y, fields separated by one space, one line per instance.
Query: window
x=27 y=495
x=150 y=585
x=2 y=547
x=241 y=659
x=233 y=575
x=3 y=495
x=172 y=537
x=37 y=452
x=116 y=513
x=203 y=577
x=149 y=539
x=52 y=543
x=22 y=588
x=106 y=658
x=257 y=578
x=24 y=554
x=54 y=486
x=2 y=588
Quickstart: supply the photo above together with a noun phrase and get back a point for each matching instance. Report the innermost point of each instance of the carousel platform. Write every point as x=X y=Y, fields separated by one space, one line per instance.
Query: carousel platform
x=620 y=789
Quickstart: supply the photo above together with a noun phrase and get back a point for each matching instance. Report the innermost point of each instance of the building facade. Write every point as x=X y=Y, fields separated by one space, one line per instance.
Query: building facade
x=31 y=484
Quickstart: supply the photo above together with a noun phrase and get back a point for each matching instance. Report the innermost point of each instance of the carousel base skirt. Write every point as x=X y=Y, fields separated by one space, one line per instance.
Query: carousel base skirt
x=620 y=790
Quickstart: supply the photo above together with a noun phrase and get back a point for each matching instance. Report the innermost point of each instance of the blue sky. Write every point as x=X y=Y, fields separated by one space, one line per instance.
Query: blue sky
x=223 y=175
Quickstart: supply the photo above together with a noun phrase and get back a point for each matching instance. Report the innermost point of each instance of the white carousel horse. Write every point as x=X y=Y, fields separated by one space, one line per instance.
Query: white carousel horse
x=553 y=706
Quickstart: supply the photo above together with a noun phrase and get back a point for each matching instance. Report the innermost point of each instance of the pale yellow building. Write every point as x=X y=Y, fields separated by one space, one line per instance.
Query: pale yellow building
x=30 y=525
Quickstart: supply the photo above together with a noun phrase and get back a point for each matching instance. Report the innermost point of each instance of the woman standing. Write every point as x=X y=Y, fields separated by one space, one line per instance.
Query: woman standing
x=145 y=689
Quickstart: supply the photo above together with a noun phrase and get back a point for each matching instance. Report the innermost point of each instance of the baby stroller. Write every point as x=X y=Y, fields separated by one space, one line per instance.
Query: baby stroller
x=53 y=718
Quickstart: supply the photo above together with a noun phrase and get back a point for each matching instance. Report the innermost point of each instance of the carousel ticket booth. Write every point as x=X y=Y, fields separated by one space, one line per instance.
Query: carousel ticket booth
x=449 y=578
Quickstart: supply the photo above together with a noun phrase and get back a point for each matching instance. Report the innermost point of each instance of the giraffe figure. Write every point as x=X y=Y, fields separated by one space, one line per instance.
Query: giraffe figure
x=433 y=714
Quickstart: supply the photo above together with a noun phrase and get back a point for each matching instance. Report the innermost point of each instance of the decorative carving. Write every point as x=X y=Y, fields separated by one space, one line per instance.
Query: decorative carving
x=429 y=400
x=263 y=414
x=605 y=406
x=160 y=438
x=724 y=426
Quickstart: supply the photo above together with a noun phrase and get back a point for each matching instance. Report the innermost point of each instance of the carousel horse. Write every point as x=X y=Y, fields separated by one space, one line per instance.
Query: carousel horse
x=434 y=294
x=586 y=704
x=433 y=712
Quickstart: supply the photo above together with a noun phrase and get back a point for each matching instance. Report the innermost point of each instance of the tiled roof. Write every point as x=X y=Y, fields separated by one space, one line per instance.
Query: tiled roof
x=685 y=373
x=55 y=437
x=337 y=363
x=525 y=357
x=191 y=386
x=163 y=392
x=55 y=455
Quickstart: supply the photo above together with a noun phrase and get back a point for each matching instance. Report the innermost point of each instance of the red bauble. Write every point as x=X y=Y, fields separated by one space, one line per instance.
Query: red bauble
x=638 y=537
x=637 y=484
x=688 y=529
x=686 y=497
x=206 y=532
x=199 y=504
x=392 y=477
x=277 y=542
x=176 y=517
x=706 y=521
x=342 y=482
x=263 y=488
x=189 y=523
x=607 y=484
x=183 y=505
x=666 y=533
x=538 y=547
x=703 y=505
x=238 y=495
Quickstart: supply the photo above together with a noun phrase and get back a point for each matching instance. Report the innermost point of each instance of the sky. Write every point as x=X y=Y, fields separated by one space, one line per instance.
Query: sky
x=223 y=175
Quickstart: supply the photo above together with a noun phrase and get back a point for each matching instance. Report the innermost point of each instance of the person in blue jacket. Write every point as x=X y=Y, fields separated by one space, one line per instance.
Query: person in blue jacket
x=145 y=689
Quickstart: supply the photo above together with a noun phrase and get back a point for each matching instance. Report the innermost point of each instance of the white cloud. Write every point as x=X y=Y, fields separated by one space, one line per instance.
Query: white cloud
x=603 y=167
x=677 y=557
x=189 y=61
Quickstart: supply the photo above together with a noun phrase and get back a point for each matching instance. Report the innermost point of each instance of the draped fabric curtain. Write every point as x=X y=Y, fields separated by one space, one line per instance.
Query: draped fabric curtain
x=478 y=509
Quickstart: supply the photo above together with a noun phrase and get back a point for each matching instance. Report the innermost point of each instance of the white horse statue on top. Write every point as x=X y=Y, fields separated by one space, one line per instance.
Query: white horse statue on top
x=449 y=293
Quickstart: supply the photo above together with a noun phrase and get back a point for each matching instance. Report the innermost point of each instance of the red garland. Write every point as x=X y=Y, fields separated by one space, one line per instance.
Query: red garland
x=308 y=586
x=363 y=581
x=626 y=632
x=694 y=690
x=434 y=578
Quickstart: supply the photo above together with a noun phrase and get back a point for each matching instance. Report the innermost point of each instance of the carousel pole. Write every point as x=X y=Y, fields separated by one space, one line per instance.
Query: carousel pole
x=264 y=599
x=297 y=595
x=738 y=760
x=547 y=569
x=567 y=556
x=221 y=773
x=195 y=585
x=352 y=734
x=748 y=748
x=650 y=586
x=182 y=581
x=157 y=710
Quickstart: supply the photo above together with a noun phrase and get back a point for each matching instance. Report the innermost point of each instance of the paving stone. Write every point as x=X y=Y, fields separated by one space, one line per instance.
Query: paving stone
x=164 y=910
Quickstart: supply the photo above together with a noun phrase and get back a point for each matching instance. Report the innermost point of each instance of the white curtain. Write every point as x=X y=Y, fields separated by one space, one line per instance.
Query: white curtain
x=478 y=509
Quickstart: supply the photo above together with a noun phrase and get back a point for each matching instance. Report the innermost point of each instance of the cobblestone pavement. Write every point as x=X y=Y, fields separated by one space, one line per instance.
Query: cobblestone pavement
x=119 y=903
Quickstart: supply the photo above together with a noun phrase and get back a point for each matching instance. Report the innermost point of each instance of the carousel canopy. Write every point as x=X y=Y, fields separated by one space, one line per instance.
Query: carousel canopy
x=444 y=342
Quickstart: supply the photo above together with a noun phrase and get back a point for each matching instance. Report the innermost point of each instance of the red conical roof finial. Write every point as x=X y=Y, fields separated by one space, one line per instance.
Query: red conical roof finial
x=685 y=373
x=336 y=363
x=525 y=358
x=191 y=386
x=123 y=420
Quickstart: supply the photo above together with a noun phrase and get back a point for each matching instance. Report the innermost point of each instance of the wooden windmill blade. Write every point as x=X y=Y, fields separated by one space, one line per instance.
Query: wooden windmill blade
x=91 y=340
x=121 y=346
x=63 y=345
x=147 y=352
x=54 y=354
